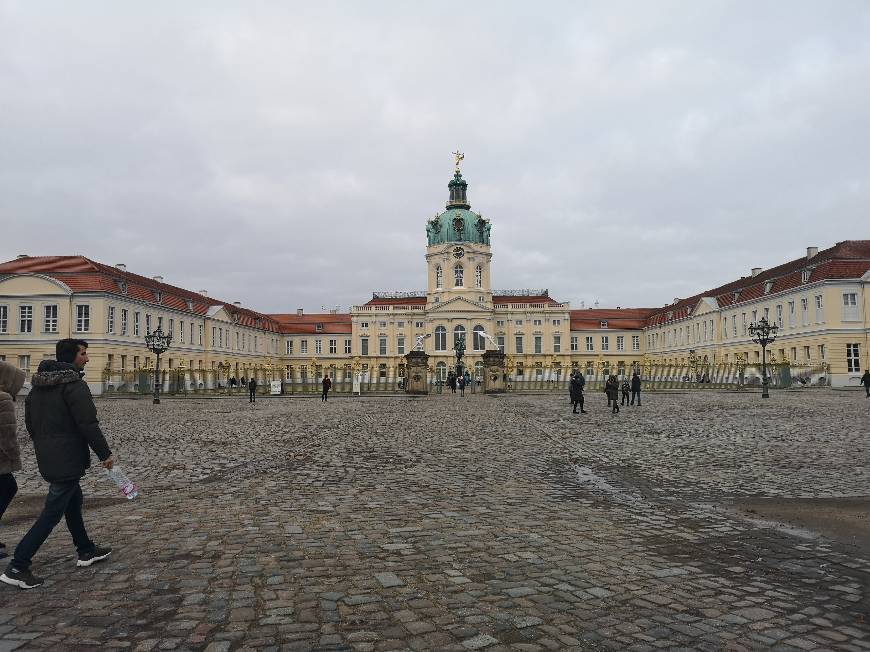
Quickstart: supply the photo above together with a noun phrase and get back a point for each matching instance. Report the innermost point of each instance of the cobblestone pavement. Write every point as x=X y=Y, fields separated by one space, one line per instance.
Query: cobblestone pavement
x=459 y=524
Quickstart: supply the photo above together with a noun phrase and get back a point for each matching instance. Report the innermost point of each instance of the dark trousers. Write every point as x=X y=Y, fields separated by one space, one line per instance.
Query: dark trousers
x=325 y=394
x=624 y=397
x=8 y=489
x=866 y=387
x=635 y=393
x=253 y=396
x=578 y=402
x=64 y=500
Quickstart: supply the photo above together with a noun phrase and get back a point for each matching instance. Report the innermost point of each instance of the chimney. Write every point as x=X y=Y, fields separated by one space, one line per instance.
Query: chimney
x=811 y=252
x=333 y=311
x=121 y=266
x=298 y=312
x=20 y=256
x=756 y=271
x=159 y=279
x=237 y=304
x=204 y=293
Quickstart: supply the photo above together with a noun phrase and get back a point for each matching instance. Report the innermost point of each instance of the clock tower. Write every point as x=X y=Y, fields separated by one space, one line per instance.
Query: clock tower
x=458 y=252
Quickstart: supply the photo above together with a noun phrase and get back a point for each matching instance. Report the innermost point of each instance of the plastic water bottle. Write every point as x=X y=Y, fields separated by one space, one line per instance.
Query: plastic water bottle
x=125 y=484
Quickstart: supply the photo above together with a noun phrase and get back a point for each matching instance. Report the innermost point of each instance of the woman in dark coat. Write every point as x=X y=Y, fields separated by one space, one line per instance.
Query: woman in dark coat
x=612 y=389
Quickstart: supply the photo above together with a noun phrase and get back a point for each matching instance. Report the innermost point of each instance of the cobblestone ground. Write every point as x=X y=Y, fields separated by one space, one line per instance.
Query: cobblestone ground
x=449 y=523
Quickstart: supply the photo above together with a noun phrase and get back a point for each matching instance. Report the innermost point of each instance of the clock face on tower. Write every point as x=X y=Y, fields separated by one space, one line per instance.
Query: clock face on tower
x=458 y=252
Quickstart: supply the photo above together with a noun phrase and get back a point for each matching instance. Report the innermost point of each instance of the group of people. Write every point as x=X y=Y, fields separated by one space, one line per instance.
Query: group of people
x=612 y=388
x=458 y=381
x=61 y=418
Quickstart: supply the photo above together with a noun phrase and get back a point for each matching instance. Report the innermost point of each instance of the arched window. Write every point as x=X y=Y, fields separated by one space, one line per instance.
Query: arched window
x=478 y=277
x=458 y=332
x=459 y=273
x=439 y=277
x=441 y=371
x=440 y=339
x=479 y=341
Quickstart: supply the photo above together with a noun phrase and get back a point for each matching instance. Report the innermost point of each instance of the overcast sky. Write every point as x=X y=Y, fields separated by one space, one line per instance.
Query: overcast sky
x=289 y=154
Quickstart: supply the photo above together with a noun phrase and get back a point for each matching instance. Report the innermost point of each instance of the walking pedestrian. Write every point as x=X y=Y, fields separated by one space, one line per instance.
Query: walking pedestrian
x=578 y=382
x=252 y=390
x=61 y=418
x=612 y=389
x=865 y=380
x=460 y=382
x=11 y=381
x=635 y=388
x=327 y=383
x=625 y=389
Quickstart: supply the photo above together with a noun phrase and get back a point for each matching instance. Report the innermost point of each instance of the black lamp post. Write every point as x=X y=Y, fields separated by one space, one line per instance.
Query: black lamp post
x=157 y=342
x=763 y=333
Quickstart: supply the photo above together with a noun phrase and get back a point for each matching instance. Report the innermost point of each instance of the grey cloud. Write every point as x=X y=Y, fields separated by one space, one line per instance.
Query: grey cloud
x=288 y=154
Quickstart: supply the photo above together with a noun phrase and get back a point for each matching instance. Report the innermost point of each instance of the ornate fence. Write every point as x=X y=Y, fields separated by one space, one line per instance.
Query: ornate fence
x=732 y=376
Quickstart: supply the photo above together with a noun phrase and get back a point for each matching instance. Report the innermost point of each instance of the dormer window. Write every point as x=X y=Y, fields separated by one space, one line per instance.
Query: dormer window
x=159 y=296
x=189 y=304
x=736 y=296
x=604 y=324
x=123 y=286
x=768 y=286
x=805 y=275
x=318 y=328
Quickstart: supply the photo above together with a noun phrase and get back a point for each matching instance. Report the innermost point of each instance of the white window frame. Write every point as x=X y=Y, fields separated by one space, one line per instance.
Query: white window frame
x=590 y=343
x=635 y=342
x=4 y=319
x=575 y=343
x=49 y=321
x=25 y=318
x=620 y=342
x=853 y=358
x=110 y=320
x=605 y=343
x=83 y=318
x=850 y=306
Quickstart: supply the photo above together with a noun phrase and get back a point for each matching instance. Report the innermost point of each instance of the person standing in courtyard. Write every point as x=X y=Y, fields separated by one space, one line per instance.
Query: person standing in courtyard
x=61 y=418
x=865 y=380
x=625 y=389
x=252 y=390
x=612 y=389
x=635 y=388
x=460 y=383
x=576 y=391
x=327 y=383
x=11 y=382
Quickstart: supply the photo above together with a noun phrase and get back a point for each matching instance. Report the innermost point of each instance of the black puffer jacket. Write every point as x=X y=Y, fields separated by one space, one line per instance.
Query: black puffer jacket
x=62 y=420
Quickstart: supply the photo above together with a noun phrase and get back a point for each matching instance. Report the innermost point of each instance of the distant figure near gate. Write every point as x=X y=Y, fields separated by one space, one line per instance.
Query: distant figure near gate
x=252 y=390
x=327 y=383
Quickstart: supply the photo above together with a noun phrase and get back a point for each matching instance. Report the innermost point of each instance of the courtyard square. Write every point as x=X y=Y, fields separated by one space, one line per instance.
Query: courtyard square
x=701 y=520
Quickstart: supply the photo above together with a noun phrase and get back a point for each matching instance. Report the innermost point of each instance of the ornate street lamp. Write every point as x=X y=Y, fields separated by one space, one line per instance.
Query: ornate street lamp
x=158 y=342
x=763 y=333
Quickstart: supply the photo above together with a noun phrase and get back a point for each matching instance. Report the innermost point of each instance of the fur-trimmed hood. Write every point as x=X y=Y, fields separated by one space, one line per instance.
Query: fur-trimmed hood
x=11 y=378
x=52 y=372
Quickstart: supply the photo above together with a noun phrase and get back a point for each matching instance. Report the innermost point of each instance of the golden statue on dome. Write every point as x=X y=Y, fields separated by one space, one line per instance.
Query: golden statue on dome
x=459 y=158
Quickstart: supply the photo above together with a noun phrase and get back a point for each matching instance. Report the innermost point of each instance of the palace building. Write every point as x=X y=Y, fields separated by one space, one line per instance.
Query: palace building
x=819 y=303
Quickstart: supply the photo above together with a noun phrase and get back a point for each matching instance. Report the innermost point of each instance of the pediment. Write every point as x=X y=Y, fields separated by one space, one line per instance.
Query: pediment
x=219 y=313
x=705 y=305
x=28 y=285
x=459 y=304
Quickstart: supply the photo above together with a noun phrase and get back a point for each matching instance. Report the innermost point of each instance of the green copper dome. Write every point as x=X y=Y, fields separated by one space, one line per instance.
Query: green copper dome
x=458 y=223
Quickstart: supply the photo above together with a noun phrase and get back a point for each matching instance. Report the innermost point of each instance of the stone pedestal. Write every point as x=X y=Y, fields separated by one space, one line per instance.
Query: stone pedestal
x=494 y=375
x=417 y=362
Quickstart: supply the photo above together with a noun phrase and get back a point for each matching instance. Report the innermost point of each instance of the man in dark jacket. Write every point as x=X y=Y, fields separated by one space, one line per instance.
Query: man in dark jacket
x=635 y=388
x=252 y=390
x=865 y=380
x=578 y=382
x=327 y=383
x=61 y=418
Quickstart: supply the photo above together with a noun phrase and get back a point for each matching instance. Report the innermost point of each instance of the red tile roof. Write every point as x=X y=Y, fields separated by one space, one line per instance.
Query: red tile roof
x=331 y=323
x=82 y=274
x=541 y=298
x=616 y=318
x=847 y=259
x=407 y=301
